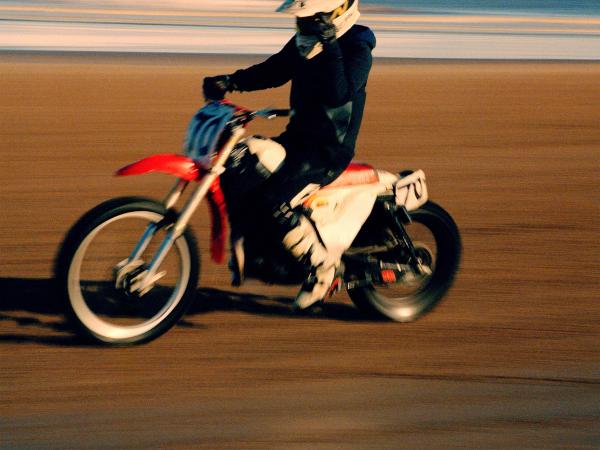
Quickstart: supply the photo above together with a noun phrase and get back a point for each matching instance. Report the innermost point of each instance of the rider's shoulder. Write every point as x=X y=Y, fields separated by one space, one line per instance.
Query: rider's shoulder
x=361 y=34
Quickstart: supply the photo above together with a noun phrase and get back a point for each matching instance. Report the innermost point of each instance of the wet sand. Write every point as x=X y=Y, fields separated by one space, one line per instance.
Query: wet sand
x=511 y=358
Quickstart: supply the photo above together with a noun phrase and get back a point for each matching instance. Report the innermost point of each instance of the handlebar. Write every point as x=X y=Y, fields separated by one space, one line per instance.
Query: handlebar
x=271 y=113
x=244 y=116
x=267 y=113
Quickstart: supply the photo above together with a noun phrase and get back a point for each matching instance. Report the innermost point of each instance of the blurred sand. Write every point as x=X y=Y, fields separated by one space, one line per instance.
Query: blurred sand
x=510 y=359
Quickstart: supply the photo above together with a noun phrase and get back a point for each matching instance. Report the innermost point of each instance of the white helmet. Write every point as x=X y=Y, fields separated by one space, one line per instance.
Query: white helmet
x=343 y=13
x=307 y=8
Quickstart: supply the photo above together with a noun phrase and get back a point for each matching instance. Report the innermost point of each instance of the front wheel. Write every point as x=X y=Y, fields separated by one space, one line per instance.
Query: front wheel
x=436 y=240
x=100 y=300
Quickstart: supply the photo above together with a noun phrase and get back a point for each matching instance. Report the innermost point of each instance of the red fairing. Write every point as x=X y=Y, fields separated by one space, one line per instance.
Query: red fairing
x=180 y=166
x=355 y=174
x=218 y=214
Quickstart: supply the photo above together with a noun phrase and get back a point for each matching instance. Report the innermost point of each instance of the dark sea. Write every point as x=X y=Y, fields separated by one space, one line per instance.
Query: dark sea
x=510 y=7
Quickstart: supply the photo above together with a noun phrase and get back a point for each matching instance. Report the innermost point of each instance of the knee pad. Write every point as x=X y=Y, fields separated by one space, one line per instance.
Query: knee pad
x=270 y=154
x=250 y=164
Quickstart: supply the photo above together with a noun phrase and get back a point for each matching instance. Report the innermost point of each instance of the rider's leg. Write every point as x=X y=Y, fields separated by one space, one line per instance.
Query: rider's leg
x=285 y=192
x=280 y=194
x=302 y=241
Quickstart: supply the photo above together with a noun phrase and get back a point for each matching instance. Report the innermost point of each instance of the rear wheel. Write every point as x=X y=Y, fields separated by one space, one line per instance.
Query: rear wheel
x=100 y=294
x=437 y=245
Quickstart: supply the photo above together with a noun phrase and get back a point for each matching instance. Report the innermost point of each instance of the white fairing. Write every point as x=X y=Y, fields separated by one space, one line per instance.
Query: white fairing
x=387 y=178
x=411 y=191
x=340 y=213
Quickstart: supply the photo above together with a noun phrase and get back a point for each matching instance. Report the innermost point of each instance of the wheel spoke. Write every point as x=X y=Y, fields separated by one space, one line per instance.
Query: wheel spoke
x=104 y=305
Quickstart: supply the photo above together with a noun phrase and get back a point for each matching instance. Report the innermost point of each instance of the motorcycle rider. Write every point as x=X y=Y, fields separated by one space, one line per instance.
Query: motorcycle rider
x=328 y=61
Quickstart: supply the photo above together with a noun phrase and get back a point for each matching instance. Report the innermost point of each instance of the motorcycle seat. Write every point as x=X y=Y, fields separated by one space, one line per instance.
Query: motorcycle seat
x=356 y=174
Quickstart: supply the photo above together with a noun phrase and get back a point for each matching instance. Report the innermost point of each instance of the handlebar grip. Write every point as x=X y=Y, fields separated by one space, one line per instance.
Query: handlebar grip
x=280 y=112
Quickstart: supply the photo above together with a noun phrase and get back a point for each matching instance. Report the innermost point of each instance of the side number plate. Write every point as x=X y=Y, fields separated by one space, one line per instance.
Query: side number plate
x=411 y=191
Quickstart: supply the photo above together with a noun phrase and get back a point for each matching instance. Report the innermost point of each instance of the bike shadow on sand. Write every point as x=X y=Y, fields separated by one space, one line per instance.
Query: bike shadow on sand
x=34 y=306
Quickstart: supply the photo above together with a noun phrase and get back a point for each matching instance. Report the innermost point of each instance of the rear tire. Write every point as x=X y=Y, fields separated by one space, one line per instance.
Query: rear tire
x=376 y=302
x=85 y=273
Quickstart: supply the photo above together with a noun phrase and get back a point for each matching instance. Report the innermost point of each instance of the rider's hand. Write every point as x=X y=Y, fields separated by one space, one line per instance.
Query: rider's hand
x=215 y=88
x=319 y=25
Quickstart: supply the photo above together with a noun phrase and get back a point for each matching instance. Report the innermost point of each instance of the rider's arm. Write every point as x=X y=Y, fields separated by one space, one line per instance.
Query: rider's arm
x=274 y=72
x=344 y=75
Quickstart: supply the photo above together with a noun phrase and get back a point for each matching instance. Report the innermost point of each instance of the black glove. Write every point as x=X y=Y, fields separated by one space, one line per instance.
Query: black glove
x=319 y=25
x=215 y=88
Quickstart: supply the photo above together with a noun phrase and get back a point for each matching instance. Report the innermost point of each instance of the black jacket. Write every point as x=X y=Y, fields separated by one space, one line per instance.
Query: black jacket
x=327 y=96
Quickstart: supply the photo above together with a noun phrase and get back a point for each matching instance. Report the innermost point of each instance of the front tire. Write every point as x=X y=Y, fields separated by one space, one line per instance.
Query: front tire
x=98 y=306
x=443 y=256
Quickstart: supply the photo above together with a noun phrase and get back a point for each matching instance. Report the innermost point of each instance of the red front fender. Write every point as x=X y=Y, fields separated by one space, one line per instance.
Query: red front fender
x=180 y=166
x=188 y=169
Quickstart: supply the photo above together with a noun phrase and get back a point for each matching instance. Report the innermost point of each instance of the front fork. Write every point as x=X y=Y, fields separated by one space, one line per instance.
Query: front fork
x=169 y=202
x=145 y=280
x=142 y=282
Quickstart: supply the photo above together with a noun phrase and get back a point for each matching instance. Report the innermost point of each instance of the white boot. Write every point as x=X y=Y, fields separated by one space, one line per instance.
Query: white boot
x=316 y=288
x=304 y=244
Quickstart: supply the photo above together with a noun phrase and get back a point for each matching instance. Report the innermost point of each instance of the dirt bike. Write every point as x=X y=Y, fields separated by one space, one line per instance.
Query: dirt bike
x=128 y=269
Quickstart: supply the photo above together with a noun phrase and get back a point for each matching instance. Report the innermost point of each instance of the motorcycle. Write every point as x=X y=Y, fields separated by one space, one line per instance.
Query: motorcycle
x=128 y=269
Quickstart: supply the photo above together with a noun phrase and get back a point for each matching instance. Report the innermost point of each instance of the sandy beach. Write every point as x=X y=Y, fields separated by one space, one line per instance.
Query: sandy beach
x=510 y=359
